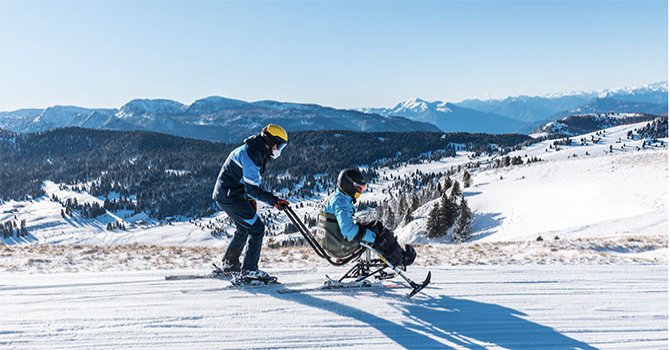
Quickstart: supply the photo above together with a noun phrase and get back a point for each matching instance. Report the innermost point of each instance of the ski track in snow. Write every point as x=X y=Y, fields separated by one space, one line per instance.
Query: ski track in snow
x=472 y=307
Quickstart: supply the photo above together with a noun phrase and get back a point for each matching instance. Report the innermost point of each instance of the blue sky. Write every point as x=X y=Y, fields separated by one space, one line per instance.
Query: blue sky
x=342 y=54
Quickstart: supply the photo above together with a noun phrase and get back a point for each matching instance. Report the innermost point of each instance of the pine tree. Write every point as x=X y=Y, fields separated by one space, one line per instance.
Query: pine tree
x=389 y=218
x=433 y=227
x=462 y=231
x=402 y=205
x=415 y=202
x=24 y=231
x=456 y=189
x=379 y=212
x=408 y=216
x=448 y=212
x=447 y=183
x=467 y=179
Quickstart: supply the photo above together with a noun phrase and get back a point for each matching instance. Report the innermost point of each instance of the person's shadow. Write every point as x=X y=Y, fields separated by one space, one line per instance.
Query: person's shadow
x=442 y=322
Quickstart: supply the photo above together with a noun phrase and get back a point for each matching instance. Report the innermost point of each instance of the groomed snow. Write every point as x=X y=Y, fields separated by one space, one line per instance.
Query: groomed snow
x=472 y=307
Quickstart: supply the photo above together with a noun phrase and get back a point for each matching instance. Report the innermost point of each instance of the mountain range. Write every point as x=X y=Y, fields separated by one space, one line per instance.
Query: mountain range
x=212 y=118
x=527 y=113
x=450 y=117
x=229 y=120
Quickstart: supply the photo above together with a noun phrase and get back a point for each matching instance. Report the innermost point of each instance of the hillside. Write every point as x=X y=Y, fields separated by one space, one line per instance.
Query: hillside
x=509 y=202
x=163 y=175
x=586 y=123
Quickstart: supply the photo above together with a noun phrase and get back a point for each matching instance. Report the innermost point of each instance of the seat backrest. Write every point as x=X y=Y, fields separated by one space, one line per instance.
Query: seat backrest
x=329 y=236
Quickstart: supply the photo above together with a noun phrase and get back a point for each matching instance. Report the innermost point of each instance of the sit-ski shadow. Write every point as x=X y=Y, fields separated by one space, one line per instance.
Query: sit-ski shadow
x=440 y=322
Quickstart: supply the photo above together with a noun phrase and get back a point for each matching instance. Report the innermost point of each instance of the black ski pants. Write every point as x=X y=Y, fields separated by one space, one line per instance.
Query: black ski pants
x=249 y=227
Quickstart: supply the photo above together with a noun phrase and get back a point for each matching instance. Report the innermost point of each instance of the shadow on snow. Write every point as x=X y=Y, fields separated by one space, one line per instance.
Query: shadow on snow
x=443 y=322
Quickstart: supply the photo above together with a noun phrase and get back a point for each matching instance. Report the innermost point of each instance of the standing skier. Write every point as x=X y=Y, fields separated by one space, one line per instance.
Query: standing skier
x=237 y=188
x=339 y=209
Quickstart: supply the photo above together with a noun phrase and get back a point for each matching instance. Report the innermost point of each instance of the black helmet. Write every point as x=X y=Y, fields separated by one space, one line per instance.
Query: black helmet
x=351 y=182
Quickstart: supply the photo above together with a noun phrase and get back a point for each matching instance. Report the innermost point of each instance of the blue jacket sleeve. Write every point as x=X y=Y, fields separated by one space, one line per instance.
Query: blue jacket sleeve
x=251 y=175
x=349 y=229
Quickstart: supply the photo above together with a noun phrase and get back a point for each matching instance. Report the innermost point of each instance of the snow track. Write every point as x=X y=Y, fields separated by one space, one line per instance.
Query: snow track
x=519 y=307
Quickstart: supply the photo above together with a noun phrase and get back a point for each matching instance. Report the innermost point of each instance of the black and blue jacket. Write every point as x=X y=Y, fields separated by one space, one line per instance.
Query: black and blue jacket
x=241 y=173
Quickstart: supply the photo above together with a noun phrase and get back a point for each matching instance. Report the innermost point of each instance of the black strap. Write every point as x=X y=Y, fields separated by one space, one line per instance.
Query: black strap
x=327 y=217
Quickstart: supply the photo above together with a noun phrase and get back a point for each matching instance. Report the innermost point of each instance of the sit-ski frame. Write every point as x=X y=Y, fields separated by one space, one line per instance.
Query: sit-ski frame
x=364 y=267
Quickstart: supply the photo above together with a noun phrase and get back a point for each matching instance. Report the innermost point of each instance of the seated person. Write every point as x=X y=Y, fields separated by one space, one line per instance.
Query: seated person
x=339 y=209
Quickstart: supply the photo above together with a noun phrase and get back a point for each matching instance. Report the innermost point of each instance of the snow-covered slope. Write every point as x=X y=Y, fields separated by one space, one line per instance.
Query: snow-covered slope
x=586 y=123
x=576 y=191
x=508 y=307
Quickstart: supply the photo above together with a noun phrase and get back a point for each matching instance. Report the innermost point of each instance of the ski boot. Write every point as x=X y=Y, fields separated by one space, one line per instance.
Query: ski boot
x=253 y=278
x=228 y=270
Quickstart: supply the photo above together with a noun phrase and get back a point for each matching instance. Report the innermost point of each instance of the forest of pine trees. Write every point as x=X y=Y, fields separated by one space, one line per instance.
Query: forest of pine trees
x=451 y=211
x=412 y=191
x=13 y=228
x=141 y=165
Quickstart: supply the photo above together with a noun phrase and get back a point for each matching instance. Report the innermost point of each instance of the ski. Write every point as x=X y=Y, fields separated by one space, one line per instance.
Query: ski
x=220 y=275
x=330 y=286
x=226 y=277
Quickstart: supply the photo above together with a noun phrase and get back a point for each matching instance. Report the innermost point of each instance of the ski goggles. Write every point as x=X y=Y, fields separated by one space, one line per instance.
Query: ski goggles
x=360 y=188
x=281 y=146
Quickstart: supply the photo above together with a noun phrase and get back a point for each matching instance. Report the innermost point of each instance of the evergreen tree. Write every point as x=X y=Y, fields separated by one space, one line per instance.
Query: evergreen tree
x=448 y=212
x=433 y=226
x=402 y=205
x=448 y=183
x=379 y=212
x=467 y=179
x=462 y=230
x=24 y=231
x=456 y=190
x=415 y=202
x=389 y=218
x=408 y=216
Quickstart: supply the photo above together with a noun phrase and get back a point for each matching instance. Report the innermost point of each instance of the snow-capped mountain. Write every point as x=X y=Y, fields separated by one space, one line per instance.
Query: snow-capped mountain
x=527 y=108
x=148 y=107
x=656 y=93
x=213 y=104
x=539 y=108
x=450 y=117
x=213 y=118
x=18 y=120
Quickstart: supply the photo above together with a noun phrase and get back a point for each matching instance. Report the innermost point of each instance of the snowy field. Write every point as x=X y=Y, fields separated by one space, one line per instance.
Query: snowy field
x=467 y=307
